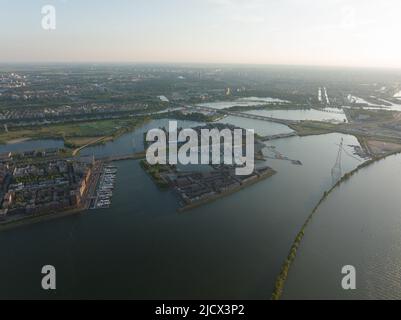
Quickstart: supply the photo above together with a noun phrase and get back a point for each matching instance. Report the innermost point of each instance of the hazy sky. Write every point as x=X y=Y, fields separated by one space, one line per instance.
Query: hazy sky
x=307 y=32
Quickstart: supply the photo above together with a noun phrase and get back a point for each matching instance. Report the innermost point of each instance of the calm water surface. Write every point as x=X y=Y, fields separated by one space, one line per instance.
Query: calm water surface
x=359 y=225
x=326 y=115
x=31 y=145
x=142 y=247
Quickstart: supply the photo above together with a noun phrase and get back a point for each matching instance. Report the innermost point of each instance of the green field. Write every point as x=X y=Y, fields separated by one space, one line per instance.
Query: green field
x=74 y=134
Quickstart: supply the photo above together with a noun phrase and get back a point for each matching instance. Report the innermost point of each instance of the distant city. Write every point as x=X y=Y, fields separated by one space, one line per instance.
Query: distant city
x=74 y=147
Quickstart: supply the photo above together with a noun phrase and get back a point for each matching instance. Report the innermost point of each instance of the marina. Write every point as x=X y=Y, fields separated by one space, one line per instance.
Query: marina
x=105 y=188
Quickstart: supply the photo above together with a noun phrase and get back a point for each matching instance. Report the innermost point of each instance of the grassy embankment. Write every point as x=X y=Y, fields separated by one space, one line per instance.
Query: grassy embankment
x=308 y=128
x=282 y=277
x=76 y=134
x=194 y=116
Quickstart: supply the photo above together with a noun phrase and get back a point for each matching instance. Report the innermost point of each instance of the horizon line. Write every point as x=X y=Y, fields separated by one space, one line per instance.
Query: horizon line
x=239 y=64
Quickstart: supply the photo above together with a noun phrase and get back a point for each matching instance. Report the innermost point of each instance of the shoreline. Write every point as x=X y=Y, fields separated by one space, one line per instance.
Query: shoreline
x=18 y=140
x=4 y=226
x=59 y=136
x=215 y=197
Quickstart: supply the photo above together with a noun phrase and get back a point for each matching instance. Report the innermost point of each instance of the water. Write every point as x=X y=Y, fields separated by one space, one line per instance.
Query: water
x=261 y=128
x=376 y=106
x=359 y=225
x=132 y=141
x=30 y=145
x=243 y=102
x=393 y=106
x=327 y=115
x=141 y=247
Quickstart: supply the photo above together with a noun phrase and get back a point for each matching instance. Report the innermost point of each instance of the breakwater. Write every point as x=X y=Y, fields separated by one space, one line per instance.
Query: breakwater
x=282 y=277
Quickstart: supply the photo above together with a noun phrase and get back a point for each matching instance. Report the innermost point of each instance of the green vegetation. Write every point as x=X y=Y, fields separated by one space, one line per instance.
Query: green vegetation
x=75 y=134
x=194 y=116
x=307 y=128
x=154 y=171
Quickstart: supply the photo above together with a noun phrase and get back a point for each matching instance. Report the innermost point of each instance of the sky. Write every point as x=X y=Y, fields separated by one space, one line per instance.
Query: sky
x=356 y=33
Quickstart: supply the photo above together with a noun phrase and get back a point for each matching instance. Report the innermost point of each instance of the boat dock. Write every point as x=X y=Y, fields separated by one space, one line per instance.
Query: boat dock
x=105 y=188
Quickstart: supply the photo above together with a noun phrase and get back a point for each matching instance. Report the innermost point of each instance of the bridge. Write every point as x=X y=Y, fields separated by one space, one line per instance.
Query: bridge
x=242 y=115
x=132 y=156
x=279 y=136
x=331 y=111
